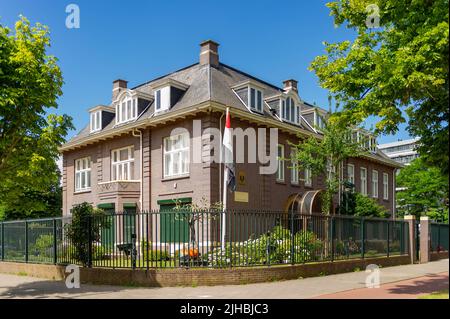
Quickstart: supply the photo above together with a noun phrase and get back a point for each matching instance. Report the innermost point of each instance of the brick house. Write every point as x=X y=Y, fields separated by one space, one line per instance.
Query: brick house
x=127 y=158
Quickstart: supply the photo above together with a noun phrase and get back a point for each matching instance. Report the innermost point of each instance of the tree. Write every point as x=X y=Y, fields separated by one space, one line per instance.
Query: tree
x=84 y=231
x=396 y=71
x=30 y=83
x=324 y=156
x=424 y=191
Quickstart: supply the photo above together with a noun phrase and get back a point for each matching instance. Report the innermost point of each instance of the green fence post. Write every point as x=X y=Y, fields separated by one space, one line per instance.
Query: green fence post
x=55 y=256
x=388 y=222
x=89 y=222
x=3 y=241
x=26 y=241
x=292 y=238
x=332 y=238
x=363 y=237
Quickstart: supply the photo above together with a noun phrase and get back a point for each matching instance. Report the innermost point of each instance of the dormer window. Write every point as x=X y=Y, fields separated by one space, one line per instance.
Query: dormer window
x=96 y=121
x=320 y=122
x=126 y=110
x=290 y=112
x=255 y=99
x=162 y=99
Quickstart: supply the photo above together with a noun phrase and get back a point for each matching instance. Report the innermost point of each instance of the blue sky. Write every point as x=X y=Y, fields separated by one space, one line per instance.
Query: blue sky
x=141 y=40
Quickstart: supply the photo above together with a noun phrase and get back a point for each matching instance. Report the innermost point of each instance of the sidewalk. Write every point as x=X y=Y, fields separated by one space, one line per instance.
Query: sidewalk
x=406 y=289
x=422 y=277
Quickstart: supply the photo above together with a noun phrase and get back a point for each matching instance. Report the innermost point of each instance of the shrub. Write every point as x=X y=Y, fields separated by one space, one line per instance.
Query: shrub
x=155 y=254
x=44 y=245
x=79 y=233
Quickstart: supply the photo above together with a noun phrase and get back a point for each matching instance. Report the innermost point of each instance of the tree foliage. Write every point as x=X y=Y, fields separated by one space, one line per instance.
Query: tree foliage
x=424 y=191
x=30 y=83
x=84 y=231
x=324 y=156
x=396 y=72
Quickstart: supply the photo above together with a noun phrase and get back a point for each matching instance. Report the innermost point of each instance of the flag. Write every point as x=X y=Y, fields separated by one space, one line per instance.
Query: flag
x=228 y=154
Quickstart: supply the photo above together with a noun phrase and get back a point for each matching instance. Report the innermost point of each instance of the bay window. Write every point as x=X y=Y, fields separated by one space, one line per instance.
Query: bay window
x=176 y=155
x=122 y=164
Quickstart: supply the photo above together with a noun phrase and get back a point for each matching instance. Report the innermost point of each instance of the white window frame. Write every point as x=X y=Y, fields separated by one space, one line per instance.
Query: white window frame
x=386 y=186
x=294 y=169
x=122 y=167
x=351 y=177
x=183 y=153
x=374 y=183
x=158 y=100
x=286 y=110
x=96 y=121
x=308 y=177
x=258 y=107
x=280 y=163
x=83 y=168
x=363 y=180
x=126 y=110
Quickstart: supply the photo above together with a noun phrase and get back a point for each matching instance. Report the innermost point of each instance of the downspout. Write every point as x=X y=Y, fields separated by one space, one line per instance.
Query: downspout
x=140 y=167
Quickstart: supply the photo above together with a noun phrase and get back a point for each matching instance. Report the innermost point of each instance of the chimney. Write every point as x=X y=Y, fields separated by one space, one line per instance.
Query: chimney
x=118 y=86
x=209 y=53
x=290 y=85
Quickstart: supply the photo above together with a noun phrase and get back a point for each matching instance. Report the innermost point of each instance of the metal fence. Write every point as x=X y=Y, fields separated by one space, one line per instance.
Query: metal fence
x=159 y=239
x=439 y=237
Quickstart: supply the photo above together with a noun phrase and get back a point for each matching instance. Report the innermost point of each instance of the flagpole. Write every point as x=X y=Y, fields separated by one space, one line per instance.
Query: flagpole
x=224 y=204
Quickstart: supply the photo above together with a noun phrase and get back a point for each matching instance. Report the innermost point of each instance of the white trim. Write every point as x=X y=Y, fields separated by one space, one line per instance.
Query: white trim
x=386 y=186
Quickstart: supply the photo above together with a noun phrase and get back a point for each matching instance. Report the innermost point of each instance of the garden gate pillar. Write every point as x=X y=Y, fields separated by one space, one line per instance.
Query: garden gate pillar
x=425 y=238
x=411 y=219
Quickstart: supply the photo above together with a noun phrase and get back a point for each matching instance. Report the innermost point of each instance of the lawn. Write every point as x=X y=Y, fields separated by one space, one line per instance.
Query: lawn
x=436 y=295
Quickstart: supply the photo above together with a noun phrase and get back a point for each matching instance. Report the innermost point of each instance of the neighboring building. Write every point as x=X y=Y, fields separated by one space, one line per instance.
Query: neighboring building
x=127 y=160
x=403 y=152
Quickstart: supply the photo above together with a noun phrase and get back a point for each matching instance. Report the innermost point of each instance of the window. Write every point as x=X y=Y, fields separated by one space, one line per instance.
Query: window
x=385 y=186
x=256 y=99
x=294 y=169
x=122 y=164
x=289 y=111
x=320 y=123
x=176 y=155
x=158 y=100
x=363 y=176
x=280 y=163
x=96 y=120
x=83 y=174
x=374 y=184
x=126 y=110
x=308 y=177
x=351 y=173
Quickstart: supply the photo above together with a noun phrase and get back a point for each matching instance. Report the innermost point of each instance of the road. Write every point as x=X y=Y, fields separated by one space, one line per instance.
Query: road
x=408 y=281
